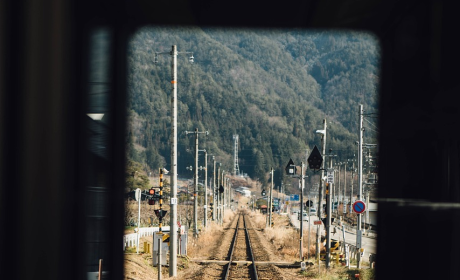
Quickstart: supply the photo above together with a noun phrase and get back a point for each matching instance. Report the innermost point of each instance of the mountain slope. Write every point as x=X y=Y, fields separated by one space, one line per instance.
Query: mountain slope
x=271 y=87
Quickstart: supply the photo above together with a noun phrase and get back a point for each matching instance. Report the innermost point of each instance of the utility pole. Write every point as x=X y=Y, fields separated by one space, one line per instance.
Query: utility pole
x=367 y=209
x=224 y=194
x=309 y=226
x=218 y=194
x=205 y=187
x=344 y=187
x=195 y=191
x=320 y=206
x=302 y=183
x=352 y=183
x=229 y=194
x=360 y=181
x=173 y=196
x=338 y=193
x=229 y=198
x=328 y=216
x=214 y=196
x=173 y=203
x=219 y=210
x=270 y=202
x=222 y=199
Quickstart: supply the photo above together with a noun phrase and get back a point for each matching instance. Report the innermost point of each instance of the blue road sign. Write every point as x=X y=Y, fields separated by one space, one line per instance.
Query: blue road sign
x=359 y=206
x=294 y=197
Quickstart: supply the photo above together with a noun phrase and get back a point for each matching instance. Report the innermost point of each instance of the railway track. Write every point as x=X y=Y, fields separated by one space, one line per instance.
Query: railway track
x=244 y=257
x=241 y=263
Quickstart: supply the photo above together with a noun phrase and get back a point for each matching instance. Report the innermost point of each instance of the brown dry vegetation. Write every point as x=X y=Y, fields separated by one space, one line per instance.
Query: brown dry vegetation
x=285 y=239
x=281 y=243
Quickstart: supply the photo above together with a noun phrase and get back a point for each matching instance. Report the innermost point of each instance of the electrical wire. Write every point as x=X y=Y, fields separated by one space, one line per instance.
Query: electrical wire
x=371 y=123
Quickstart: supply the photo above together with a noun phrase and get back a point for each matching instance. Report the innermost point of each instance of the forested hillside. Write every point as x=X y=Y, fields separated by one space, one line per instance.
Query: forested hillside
x=271 y=87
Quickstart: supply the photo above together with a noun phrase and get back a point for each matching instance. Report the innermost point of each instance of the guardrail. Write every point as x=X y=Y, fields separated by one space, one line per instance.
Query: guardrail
x=353 y=254
x=130 y=240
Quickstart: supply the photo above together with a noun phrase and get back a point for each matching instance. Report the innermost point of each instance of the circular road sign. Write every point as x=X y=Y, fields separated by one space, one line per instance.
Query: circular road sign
x=359 y=206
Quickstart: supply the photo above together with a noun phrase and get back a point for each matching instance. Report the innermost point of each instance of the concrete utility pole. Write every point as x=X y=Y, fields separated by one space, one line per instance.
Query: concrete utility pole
x=302 y=184
x=195 y=191
x=270 y=202
x=214 y=196
x=205 y=187
x=320 y=193
x=224 y=194
x=222 y=199
x=353 y=171
x=360 y=181
x=328 y=217
x=218 y=194
x=338 y=193
x=173 y=203
x=173 y=200
x=309 y=226
x=229 y=194
x=344 y=187
x=219 y=197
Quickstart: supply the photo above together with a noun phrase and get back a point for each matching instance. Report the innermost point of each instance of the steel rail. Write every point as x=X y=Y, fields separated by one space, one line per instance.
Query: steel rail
x=232 y=247
x=248 y=241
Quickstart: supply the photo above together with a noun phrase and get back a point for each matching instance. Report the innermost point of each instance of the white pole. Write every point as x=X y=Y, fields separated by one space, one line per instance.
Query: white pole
x=309 y=226
x=138 y=218
x=270 y=203
x=328 y=218
x=367 y=210
x=159 y=258
x=173 y=206
x=320 y=198
x=301 y=209
x=344 y=188
x=360 y=180
x=214 y=190
x=195 y=192
x=205 y=189
x=345 y=246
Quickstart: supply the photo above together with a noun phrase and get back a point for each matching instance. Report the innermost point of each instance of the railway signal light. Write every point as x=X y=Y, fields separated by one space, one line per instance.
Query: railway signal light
x=152 y=196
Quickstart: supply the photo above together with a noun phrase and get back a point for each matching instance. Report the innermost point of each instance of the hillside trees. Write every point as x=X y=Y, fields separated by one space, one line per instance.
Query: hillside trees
x=273 y=88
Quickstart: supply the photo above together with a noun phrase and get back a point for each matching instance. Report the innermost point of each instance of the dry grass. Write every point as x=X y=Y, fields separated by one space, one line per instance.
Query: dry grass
x=337 y=273
x=284 y=238
x=228 y=216
x=257 y=220
x=200 y=247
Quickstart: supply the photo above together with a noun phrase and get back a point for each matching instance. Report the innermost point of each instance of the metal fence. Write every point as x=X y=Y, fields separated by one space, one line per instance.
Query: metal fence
x=130 y=240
